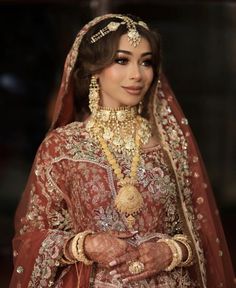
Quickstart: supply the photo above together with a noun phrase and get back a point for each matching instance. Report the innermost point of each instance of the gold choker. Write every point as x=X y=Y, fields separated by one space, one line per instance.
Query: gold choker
x=118 y=128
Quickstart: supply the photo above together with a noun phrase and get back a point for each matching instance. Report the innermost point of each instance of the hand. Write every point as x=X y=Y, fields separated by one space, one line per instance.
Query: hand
x=103 y=247
x=154 y=256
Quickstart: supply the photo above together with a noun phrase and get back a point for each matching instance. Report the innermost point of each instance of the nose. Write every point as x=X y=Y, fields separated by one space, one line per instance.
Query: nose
x=135 y=72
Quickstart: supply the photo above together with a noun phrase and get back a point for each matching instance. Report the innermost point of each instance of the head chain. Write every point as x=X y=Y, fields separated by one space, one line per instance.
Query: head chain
x=132 y=34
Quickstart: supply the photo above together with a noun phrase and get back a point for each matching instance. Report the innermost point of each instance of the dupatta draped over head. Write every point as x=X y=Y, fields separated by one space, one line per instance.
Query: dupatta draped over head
x=200 y=215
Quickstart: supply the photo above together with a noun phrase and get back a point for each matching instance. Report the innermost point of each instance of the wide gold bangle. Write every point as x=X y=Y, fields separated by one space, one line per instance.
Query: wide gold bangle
x=64 y=261
x=66 y=257
x=176 y=253
x=183 y=239
x=77 y=247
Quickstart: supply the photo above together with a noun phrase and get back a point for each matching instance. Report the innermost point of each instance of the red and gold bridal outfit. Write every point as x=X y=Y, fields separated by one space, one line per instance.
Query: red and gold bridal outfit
x=73 y=189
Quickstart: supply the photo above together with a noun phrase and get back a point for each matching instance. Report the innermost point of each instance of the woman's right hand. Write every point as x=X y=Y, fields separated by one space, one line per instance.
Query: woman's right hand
x=104 y=247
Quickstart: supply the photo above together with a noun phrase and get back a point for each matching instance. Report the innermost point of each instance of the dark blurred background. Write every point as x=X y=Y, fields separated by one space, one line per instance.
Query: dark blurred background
x=199 y=57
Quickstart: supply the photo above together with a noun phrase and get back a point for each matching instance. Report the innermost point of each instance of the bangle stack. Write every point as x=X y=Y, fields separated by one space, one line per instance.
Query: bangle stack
x=176 y=250
x=183 y=239
x=176 y=253
x=77 y=247
x=66 y=259
x=74 y=252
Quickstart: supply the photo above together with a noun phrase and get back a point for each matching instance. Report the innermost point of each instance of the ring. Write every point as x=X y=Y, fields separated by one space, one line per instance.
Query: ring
x=136 y=267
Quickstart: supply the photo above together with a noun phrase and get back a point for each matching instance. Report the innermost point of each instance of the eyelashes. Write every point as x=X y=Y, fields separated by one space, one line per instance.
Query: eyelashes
x=124 y=61
x=121 y=60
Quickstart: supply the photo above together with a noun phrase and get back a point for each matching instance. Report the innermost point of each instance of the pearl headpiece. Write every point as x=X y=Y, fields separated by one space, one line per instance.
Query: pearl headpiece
x=133 y=35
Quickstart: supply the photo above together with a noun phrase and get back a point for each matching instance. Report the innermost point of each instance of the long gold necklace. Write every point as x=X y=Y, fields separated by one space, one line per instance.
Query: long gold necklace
x=128 y=200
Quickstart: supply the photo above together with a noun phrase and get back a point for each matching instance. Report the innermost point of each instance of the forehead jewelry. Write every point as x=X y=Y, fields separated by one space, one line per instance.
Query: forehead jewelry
x=72 y=56
x=134 y=37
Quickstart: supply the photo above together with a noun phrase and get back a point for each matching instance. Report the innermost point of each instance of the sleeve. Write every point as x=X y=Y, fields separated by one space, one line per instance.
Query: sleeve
x=43 y=222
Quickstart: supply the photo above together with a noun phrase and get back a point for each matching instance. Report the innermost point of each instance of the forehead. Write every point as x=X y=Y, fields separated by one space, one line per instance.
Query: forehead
x=143 y=47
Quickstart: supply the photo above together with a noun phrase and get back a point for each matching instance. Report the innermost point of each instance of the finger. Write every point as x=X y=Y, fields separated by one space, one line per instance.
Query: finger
x=120 y=270
x=123 y=234
x=134 y=254
x=124 y=272
x=138 y=277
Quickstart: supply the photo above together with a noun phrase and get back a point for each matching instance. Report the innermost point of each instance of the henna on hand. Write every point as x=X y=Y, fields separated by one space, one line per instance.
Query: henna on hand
x=103 y=247
x=154 y=256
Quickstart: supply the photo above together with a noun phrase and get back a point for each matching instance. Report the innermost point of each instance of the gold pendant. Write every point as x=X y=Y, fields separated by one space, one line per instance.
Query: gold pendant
x=130 y=220
x=129 y=200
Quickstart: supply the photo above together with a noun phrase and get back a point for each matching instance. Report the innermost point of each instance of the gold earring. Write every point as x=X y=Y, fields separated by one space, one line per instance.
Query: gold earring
x=93 y=95
x=140 y=107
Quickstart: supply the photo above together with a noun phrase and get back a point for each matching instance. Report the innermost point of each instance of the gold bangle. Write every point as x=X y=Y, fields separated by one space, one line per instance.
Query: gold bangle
x=66 y=258
x=176 y=253
x=66 y=252
x=183 y=239
x=64 y=261
x=77 y=247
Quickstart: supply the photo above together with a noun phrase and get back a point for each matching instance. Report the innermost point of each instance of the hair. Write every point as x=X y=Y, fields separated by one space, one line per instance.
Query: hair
x=94 y=57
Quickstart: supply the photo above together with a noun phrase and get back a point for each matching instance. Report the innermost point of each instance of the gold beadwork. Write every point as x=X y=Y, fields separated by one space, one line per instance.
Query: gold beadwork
x=122 y=130
x=118 y=128
x=112 y=26
x=133 y=35
x=93 y=95
x=128 y=201
x=72 y=56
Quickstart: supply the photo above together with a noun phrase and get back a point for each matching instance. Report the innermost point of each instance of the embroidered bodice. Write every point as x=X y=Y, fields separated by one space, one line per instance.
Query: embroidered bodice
x=80 y=186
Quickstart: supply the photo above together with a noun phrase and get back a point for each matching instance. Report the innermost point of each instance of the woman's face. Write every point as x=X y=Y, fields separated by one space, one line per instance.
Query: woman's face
x=126 y=81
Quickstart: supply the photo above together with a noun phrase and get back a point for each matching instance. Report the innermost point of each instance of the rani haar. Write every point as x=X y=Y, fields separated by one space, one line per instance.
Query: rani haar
x=120 y=130
x=123 y=135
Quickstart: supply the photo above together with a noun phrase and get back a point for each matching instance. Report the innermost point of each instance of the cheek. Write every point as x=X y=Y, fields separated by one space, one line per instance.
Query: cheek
x=111 y=75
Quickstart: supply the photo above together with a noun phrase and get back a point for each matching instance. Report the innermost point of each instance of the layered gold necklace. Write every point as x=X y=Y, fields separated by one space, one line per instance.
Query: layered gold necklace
x=122 y=131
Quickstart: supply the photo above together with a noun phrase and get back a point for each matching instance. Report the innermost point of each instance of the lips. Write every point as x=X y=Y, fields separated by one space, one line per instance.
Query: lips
x=133 y=90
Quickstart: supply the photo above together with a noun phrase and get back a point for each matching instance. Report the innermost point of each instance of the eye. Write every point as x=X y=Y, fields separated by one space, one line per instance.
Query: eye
x=121 y=61
x=147 y=63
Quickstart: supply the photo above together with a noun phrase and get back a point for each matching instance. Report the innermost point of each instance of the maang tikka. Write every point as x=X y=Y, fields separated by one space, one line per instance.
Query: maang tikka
x=134 y=36
x=93 y=95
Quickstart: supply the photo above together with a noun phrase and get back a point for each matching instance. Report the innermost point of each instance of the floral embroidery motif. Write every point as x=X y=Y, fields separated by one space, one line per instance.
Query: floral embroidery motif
x=176 y=144
x=47 y=261
x=74 y=190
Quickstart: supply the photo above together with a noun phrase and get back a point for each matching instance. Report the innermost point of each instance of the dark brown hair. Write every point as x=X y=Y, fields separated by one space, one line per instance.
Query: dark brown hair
x=93 y=57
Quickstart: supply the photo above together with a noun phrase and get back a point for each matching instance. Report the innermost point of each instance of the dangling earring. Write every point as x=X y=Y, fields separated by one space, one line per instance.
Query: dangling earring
x=93 y=95
x=140 y=107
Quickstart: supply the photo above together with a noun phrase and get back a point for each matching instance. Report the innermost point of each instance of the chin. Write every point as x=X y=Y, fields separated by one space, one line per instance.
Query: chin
x=131 y=103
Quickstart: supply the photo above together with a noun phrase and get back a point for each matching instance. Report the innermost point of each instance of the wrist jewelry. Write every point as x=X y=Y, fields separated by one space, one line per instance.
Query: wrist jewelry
x=176 y=253
x=77 y=247
x=183 y=239
x=66 y=258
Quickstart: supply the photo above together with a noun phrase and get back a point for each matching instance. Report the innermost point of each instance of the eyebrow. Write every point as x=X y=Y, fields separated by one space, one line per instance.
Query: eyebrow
x=130 y=53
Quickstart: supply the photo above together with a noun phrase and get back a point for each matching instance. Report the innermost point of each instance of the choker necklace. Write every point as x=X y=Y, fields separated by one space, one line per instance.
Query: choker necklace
x=118 y=128
x=122 y=130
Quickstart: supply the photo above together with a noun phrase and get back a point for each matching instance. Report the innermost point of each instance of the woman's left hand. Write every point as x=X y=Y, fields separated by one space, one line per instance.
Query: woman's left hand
x=154 y=258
